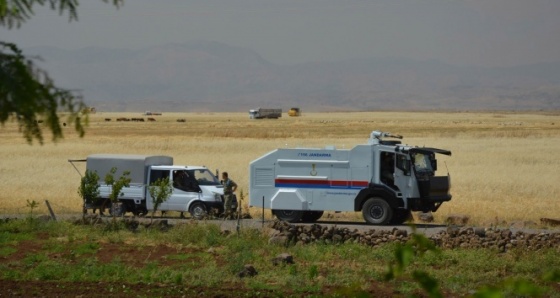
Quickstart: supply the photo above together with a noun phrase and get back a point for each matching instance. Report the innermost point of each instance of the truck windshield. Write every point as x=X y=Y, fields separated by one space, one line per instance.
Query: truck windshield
x=422 y=162
x=204 y=177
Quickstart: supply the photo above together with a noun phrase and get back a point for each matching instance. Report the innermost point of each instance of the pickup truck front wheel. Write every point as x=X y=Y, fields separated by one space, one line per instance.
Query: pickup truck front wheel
x=198 y=210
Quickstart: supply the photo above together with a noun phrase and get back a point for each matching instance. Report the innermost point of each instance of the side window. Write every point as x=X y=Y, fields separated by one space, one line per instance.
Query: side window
x=185 y=181
x=387 y=168
x=403 y=164
x=158 y=174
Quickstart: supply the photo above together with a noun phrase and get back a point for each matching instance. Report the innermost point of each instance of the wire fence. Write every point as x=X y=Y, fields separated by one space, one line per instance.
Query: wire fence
x=37 y=208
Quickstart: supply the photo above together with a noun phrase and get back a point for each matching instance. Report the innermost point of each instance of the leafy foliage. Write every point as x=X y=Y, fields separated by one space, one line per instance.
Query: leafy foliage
x=404 y=256
x=13 y=13
x=160 y=191
x=27 y=93
x=117 y=184
x=89 y=186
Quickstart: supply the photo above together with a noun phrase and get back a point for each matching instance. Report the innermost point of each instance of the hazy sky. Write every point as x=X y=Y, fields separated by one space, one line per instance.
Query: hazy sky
x=462 y=32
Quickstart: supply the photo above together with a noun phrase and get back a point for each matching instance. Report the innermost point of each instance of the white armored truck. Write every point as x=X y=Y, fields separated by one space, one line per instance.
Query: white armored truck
x=383 y=179
x=195 y=188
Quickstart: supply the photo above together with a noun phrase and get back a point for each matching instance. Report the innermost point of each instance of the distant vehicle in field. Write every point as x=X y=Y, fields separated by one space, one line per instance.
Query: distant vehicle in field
x=150 y=113
x=294 y=112
x=383 y=179
x=265 y=113
x=195 y=188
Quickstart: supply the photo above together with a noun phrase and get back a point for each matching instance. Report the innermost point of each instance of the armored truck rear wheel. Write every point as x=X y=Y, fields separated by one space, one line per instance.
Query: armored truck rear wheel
x=377 y=211
x=311 y=216
x=288 y=215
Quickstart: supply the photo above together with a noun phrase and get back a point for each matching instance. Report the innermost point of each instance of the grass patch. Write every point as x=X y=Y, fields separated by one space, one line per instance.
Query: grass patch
x=86 y=248
x=7 y=250
x=211 y=259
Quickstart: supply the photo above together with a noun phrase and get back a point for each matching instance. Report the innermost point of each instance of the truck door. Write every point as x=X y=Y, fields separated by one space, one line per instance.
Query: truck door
x=387 y=169
x=184 y=191
x=154 y=175
x=403 y=177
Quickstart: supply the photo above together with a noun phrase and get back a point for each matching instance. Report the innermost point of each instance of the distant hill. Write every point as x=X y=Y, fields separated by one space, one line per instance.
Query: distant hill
x=212 y=76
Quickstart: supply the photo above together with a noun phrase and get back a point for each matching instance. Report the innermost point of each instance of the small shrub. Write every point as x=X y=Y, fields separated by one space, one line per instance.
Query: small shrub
x=178 y=279
x=293 y=270
x=89 y=187
x=118 y=184
x=160 y=190
x=313 y=271
x=31 y=205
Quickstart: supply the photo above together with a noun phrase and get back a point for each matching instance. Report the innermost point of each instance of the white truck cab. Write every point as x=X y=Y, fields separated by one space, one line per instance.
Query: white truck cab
x=195 y=189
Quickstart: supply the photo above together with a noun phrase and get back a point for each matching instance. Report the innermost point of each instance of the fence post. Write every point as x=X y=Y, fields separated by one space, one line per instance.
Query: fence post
x=263 y=212
x=50 y=210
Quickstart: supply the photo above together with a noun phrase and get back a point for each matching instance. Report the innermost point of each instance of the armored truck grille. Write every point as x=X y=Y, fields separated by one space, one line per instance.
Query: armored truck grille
x=264 y=177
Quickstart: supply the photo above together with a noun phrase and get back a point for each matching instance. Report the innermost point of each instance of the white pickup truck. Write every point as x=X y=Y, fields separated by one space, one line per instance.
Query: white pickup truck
x=195 y=188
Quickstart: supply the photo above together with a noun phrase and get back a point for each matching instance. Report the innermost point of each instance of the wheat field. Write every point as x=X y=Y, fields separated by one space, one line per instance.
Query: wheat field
x=504 y=167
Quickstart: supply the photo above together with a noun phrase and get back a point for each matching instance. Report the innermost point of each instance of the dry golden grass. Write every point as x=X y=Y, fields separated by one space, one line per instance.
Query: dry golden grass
x=504 y=165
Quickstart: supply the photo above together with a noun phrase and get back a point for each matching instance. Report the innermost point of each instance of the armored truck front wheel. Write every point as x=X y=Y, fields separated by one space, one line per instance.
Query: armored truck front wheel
x=198 y=210
x=377 y=211
x=288 y=215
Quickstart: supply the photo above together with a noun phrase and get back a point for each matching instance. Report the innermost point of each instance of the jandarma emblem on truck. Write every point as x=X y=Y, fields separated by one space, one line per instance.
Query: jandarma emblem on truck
x=313 y=172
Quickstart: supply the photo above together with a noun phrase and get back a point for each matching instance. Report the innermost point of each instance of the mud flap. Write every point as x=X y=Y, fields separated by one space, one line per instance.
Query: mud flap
x=288 y=199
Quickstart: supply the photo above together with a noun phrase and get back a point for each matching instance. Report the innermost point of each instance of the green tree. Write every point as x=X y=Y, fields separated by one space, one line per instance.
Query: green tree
x=27 y=93
x=117 y=185
x=89 y=188
x=160 y=191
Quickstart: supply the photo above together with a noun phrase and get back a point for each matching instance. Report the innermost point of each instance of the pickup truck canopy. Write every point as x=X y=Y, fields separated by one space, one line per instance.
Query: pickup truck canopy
x=137 y=165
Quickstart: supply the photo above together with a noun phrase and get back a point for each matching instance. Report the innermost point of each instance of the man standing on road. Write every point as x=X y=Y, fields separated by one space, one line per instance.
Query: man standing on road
x=229 y=188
